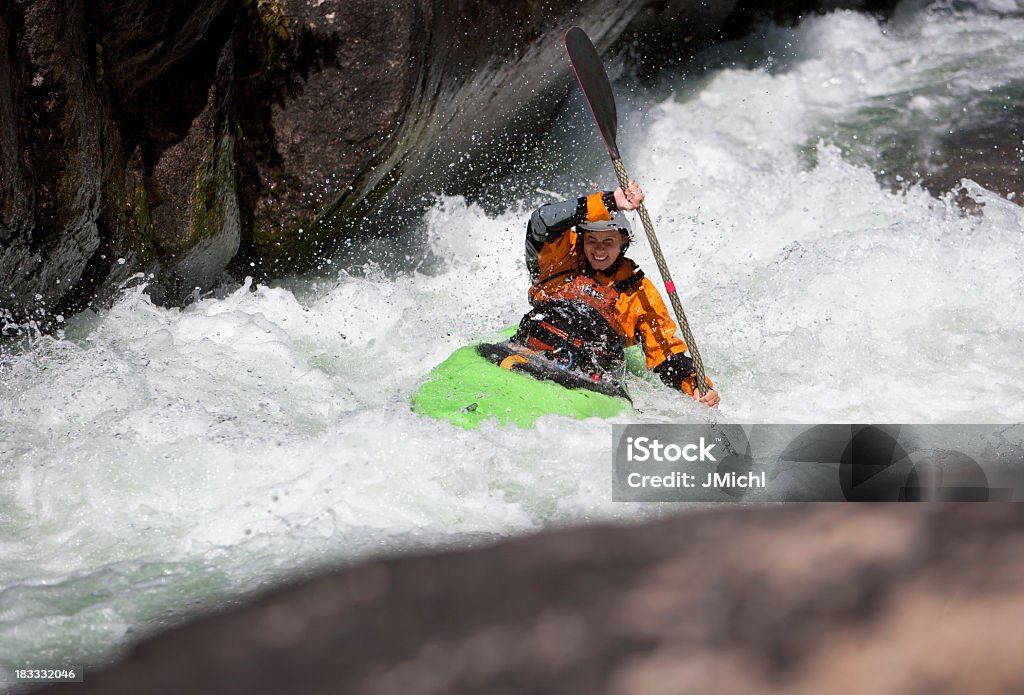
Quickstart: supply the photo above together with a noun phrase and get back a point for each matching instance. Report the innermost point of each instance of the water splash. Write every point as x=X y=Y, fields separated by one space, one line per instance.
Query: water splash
x=156 y=460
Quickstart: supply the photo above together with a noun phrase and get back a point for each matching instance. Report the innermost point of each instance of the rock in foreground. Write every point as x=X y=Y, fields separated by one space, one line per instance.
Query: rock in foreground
x=800 y=599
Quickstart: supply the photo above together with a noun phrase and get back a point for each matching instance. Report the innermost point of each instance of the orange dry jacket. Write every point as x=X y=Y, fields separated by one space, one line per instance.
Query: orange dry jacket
x=637 y=314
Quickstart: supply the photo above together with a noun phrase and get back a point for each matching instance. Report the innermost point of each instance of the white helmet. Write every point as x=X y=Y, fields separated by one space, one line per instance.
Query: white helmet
x=618 y=222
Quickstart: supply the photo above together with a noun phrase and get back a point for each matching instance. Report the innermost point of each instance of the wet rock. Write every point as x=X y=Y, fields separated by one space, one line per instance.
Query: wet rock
x=53 y=129
x=671 y=32
x=801 y=599
x=176 y=138
x=91 y=94
x=340 y=86
x=193 y=196
x=991 y=154
x=144 y=43
x=379 y=102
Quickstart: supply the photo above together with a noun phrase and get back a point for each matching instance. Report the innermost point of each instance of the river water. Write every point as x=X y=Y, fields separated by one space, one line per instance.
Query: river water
x=158 y=461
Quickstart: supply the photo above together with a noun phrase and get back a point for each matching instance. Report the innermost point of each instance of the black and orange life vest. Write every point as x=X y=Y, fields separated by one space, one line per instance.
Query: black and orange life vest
x=627 y=300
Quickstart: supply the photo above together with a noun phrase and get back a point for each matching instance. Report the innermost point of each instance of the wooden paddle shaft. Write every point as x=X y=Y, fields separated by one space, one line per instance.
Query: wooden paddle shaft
x=670 y=287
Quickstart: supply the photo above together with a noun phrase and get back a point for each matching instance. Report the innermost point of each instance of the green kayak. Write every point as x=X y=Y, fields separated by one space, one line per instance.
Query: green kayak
x=471 y=386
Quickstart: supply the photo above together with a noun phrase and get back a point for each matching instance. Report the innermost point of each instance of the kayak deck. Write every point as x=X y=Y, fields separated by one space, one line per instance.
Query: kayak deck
x=509 y=355
x=469 y=388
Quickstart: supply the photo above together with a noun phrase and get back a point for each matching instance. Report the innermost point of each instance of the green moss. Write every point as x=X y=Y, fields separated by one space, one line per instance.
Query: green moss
x=274 y=19
x=129 y=204
x=214 y=181
x=138 y=224
x=207 y=213
x=270 y=30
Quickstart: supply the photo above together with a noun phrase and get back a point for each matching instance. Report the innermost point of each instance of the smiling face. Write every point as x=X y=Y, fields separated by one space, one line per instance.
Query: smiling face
x=602 y=248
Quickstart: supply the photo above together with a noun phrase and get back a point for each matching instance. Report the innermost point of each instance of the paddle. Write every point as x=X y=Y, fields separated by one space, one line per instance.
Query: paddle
x=597 y=91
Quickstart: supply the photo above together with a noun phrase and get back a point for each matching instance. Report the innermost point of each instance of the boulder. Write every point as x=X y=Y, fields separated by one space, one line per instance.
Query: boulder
x=92 y=95
x=54 y=127
x=176 y=138
x=811 y=598
x=376 y=103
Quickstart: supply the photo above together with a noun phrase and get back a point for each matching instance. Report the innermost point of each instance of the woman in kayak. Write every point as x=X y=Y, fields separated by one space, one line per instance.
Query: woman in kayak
x=590 y=301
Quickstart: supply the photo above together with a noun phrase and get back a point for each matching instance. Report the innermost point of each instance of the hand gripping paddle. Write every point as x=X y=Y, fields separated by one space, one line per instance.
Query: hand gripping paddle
x=598 y=93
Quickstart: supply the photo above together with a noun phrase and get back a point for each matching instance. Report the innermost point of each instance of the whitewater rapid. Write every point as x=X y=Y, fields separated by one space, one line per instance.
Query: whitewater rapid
x=154 y=461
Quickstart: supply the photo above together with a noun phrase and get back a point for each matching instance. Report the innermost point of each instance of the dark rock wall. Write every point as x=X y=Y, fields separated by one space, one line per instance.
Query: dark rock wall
x=340 y=90
x=93 y=94
x=400 y=95
x=53 y=148
x=183 y=137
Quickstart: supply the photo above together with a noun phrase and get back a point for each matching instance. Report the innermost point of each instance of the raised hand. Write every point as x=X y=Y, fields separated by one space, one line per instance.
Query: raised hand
x=630 y=198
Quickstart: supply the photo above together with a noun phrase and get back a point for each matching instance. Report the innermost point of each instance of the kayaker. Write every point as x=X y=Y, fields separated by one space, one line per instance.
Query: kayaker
x=590 y=300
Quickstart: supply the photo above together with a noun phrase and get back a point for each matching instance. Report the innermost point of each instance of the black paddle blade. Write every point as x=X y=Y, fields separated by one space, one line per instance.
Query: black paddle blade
x=594 y=83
